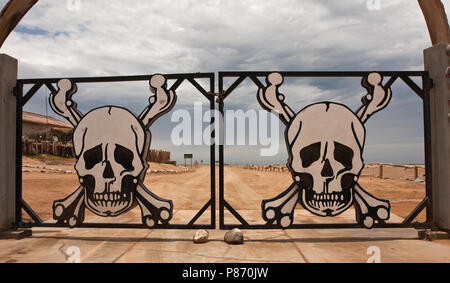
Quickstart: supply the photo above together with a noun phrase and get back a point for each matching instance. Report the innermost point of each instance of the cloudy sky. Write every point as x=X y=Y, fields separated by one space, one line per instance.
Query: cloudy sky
x=108 y=38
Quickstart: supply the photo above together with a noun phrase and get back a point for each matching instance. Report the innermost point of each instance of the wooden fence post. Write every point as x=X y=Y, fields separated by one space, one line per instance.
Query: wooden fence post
x=381 y=171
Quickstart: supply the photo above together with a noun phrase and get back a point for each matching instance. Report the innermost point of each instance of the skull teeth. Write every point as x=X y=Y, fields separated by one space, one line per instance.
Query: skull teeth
x=109 y=197
x=329 y=197
x=327 y=200
x=108 y=205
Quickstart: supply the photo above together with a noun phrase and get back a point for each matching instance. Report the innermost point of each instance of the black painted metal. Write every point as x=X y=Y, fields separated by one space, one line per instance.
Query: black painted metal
x=30 y=212
x=424 y=203
x=427 y=85
x=19 y=94
x=31 y=92
x=38 y=83
x=406 y=76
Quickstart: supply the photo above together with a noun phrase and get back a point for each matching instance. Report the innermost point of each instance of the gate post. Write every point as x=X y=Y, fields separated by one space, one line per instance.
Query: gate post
x=437 y=62
x=8 y=78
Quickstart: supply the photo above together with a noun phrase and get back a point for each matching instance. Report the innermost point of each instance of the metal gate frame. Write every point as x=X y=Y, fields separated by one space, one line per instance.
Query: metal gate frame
x=423 y=92
x=48 y=82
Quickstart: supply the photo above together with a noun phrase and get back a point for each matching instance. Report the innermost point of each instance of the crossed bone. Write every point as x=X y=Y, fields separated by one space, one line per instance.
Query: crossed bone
x=71 y=210
x=369 y=209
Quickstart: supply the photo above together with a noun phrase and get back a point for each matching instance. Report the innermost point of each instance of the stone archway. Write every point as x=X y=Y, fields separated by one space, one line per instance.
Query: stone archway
x=433 y=11
x=436 y=20
x=11 y=15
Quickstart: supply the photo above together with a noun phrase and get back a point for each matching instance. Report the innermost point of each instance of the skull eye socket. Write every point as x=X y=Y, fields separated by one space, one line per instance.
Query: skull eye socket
x=343 y=154
x=124 y=157
x=310 y=154
x=93 y=156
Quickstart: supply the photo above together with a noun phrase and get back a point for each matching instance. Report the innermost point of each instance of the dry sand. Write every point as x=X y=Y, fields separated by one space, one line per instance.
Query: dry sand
x=244 y=188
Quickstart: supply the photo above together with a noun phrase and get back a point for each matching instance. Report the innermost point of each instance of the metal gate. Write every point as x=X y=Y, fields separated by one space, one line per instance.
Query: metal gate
x=277 y=212
x=156 y=211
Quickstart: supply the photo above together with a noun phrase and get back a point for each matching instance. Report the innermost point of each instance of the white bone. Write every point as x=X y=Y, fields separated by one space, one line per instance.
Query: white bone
x=362 y=215
x=146 y=215
x=271 y=100
x=70 y=209
x=370 y=207
x=376 y=100
x=62 y=103
x=281 y=207
x=153 y=208
x=160 y=103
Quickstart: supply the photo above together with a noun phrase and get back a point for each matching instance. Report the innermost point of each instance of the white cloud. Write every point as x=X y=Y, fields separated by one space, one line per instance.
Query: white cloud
x=118 y=37
x=177 y=36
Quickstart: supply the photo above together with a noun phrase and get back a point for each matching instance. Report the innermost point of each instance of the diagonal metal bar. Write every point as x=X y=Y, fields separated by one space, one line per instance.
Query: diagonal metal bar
x=235 y=213
x=199 y=88
x=416 y=211
x=51 y=87
x=234 y=86
x=256 y=81
x=176 y=84
x=200 y=213
x=30 y=212
x=30 y=93
x=390 y=81
x=413 y=85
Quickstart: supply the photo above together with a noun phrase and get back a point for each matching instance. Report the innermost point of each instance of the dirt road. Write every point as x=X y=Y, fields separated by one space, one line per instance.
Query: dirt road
x=244 y=189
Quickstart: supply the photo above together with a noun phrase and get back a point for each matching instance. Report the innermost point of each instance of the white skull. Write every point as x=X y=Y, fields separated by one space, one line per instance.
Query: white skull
x=110 y=144
x=325 y=156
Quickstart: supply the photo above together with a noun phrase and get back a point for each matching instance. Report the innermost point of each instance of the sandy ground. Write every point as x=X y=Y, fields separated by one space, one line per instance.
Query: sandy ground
x=247 y=188
x=244 y=190
x=42 y=183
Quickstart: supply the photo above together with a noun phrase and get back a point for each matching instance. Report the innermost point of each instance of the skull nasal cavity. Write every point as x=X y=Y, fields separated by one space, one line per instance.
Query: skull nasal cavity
x=108 y=172
x=327 y=171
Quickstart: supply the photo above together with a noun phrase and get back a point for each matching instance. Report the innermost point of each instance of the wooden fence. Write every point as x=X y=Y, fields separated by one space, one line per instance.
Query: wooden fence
x=391 y=171
x=158 y=156
x=32 y=147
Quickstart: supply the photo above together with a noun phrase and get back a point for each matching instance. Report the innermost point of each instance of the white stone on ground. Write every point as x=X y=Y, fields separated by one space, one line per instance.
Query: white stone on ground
x=234 y=237
x=200 y=236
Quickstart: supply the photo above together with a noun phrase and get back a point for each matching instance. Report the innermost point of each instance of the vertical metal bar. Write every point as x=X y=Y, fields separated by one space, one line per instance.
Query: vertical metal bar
x=19 y=94
x=221 y=142
x=212 y=105
x=426 y=84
